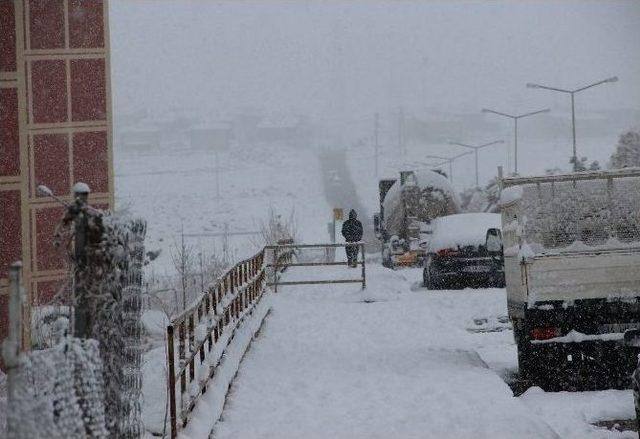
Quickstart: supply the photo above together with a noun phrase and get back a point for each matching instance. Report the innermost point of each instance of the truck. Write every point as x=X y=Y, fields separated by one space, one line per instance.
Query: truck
x=571 y=258
x=407 y=207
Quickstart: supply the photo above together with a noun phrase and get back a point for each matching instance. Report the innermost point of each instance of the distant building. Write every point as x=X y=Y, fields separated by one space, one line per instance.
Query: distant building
x=212 y=136
x=282 y=129
x=139 y=138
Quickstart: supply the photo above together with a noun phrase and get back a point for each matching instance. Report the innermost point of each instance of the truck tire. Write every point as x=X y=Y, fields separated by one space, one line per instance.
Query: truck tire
x=426 y=281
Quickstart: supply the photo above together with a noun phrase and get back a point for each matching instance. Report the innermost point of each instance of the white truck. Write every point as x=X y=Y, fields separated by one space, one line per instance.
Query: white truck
x=572 y=269
x=407 y=207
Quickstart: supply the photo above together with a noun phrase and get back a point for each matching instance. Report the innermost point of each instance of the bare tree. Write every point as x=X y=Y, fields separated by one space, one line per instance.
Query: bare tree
x=182 y=256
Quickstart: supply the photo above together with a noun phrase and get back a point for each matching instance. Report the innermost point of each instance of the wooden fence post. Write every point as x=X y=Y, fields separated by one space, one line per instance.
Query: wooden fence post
x=172 y=383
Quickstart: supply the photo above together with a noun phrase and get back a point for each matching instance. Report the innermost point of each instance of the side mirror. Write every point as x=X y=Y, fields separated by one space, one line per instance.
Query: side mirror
x=494 y=241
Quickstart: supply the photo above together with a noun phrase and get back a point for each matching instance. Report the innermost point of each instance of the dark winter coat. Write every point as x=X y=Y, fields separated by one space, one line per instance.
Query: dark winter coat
x=352 y=229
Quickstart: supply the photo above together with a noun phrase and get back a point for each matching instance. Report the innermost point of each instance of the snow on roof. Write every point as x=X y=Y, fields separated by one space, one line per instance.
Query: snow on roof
x=462 y=230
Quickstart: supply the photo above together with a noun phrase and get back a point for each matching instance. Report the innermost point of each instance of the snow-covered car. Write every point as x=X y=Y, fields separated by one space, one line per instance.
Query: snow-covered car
x=464 y=250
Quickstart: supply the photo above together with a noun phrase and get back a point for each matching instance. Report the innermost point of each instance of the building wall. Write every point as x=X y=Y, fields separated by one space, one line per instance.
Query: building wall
x=55 y=129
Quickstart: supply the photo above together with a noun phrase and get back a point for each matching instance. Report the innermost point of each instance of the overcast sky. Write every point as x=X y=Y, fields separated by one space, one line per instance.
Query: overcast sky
x=353 y=57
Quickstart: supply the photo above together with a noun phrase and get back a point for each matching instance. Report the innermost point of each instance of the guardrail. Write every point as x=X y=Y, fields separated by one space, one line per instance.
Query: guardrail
x=196 y=331
x=290 y=248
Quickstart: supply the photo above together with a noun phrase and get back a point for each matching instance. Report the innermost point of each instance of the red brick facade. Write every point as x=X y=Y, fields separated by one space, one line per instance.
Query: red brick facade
x=55 y=129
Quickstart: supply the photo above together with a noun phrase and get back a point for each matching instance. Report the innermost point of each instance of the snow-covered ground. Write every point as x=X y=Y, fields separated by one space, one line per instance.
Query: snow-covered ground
x=397 y=361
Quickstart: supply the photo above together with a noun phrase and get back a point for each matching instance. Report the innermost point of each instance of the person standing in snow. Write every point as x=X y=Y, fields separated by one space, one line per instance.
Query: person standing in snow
x=352 y=232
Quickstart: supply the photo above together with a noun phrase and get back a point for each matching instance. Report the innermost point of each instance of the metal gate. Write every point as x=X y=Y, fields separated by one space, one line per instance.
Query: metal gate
x=283 y=263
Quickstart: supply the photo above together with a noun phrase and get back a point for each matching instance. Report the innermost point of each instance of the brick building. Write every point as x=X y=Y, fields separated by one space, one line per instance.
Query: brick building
x=55 y=129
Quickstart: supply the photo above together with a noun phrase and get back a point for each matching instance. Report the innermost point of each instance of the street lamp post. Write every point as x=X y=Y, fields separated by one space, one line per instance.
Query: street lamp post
x=573 y=112
x=449 y=160
x=515 y=118
x=476 y=148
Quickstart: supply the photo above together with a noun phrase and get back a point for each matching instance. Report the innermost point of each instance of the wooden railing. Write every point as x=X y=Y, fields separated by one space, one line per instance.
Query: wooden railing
x=206 y=328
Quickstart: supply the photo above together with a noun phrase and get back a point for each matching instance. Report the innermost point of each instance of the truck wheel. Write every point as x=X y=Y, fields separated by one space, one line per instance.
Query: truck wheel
x=426 y=281
x=431 y=281
x=386 y=258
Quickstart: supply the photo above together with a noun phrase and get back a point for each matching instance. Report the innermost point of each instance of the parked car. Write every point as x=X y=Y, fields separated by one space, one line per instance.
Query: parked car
x=464 y=250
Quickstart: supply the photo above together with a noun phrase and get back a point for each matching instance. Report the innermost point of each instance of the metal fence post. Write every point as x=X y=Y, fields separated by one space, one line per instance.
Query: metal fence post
x=82 y=316
x=11 y=347
x=364 y=272
x=275 y=269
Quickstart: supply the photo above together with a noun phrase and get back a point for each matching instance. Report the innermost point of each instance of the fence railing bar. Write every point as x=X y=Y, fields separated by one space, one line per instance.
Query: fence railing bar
x=317 y=282
x=310 y=264
x=293 y=246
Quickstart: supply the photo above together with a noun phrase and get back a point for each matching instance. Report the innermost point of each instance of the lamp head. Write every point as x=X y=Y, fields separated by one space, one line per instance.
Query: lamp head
x=531 y=85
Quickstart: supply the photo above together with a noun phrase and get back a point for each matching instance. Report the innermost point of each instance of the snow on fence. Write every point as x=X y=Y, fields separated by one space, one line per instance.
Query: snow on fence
x=107 y=259
x=573 y=212
x=86 y=380
x=200 y=338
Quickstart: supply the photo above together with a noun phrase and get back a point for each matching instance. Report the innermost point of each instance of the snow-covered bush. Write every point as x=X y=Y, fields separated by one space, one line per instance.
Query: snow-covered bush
x=277 y=228
x=627 y=153
x=108 y=281
x=59 y=392
x=481 y=199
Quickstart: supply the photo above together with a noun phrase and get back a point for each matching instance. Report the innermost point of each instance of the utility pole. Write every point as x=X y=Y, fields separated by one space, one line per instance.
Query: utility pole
x=216 y=169
x=476 y=148
x=515 y=118
x=376 y=146
x=401 y=140
x=573 y=111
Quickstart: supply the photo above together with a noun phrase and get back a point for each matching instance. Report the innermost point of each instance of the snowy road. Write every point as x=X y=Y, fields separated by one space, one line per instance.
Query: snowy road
x=410 y=364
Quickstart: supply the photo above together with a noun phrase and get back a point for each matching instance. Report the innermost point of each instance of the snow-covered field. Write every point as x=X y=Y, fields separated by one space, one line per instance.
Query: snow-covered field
x=398 y=361
x=175 y=189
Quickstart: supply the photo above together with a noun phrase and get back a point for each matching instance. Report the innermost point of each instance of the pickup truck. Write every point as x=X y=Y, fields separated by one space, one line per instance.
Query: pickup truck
x=572 y=270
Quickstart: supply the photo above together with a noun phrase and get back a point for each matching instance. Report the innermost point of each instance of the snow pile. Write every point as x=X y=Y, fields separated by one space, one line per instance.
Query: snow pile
x=572 y=413
x=465 y=229
x=59 y=393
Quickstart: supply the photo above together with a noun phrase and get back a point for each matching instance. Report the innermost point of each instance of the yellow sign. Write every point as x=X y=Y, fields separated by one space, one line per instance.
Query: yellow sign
x=337 y=213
